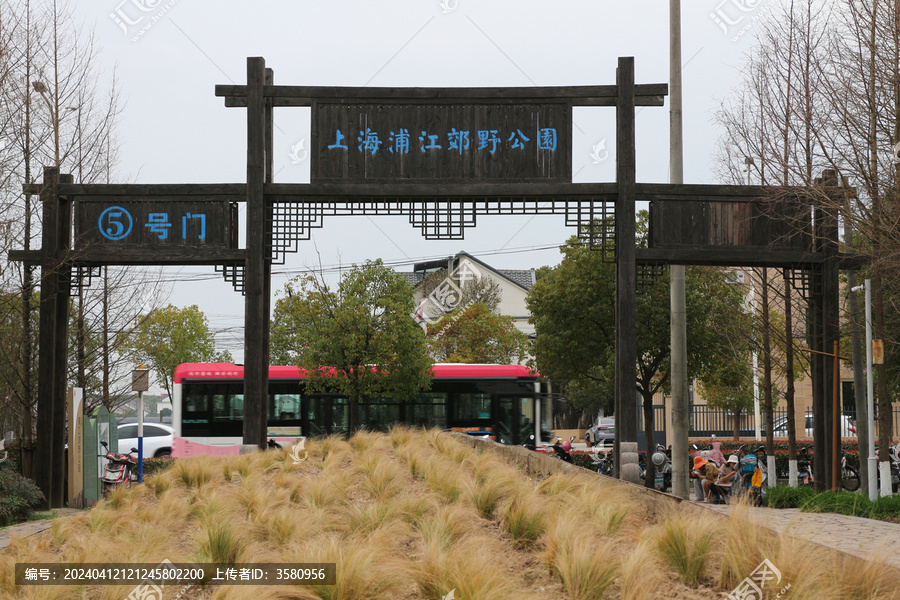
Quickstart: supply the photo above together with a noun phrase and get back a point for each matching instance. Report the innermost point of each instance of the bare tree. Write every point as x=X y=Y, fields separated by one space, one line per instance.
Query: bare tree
x=824 y=80
x=56 y=109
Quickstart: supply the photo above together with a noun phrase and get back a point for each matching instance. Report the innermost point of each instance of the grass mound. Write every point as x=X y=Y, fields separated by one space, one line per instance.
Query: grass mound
x=419 y=514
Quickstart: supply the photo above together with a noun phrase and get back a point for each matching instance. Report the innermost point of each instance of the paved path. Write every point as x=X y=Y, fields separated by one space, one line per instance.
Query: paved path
x=863 y=538
x=33 y=527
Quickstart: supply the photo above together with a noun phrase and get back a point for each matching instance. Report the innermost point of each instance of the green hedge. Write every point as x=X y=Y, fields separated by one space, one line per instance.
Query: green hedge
x=18 y=496
x=157 y=465
x=845 y=503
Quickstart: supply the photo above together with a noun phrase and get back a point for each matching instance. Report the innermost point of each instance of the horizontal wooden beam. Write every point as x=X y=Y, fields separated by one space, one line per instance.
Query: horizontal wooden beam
x=140 y=255
x=241 y=102
x=595 y=95
x=664 y=192
x=742 y=256
x=444 y=189
x=148 y=190
x=414 y=191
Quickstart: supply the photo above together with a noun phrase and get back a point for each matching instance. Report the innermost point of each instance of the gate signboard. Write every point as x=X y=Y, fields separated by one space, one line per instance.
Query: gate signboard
x=442 y=142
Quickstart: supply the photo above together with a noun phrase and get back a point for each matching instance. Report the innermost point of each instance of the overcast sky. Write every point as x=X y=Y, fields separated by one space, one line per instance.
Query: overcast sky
x=169 y=55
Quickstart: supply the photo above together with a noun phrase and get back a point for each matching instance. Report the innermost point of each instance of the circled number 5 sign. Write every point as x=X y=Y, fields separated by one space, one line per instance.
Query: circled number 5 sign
x=115 y=223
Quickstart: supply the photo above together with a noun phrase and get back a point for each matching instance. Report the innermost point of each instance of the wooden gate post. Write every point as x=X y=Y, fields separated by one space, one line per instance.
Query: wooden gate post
x=256 y=269
x=626 y=267
x=50 y=460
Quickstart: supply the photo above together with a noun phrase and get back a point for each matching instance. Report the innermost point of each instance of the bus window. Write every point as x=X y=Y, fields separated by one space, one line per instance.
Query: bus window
x=472 y=407
x=195 y=411
x=284 y=407
x=546 y=415
x=327 y=415
x=340 y=415
x=236 y=406
x=429 y=410
x=221 y=411
x=284 y=415
x=378 y=414
x=526 y=422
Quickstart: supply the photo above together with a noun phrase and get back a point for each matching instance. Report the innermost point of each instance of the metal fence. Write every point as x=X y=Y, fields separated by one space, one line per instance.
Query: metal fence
x=706 y=421
x=851 y=414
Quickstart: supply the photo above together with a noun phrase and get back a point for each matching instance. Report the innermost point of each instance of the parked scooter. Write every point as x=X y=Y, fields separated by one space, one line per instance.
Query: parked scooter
x=752 y=476
x=804 y=467
x=662 y=464
x=895 y=467
x=602 y=459
x=562 y=449
x=120 y=469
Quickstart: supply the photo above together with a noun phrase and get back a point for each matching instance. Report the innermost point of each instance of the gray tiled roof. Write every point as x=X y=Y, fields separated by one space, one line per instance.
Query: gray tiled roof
x=522 y=277
x=414 y=279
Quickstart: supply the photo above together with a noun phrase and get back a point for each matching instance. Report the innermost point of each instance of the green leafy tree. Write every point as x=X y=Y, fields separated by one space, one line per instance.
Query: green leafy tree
x=573 y=310
x=169 y=336
x=358 y=340
x=474 y=334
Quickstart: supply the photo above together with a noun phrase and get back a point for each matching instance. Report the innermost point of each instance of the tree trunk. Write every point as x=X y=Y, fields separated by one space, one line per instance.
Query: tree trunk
x=737 y=424
x=767 y=365
x=859 y=393
x=884 y=410
x=789 y=368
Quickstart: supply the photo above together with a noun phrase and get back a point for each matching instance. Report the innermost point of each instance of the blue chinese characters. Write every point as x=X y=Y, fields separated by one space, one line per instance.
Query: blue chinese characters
x=117 y=223
x=455 y=140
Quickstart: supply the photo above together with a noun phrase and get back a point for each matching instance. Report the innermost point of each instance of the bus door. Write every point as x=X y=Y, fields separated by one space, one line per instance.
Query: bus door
x=326 y=414
x=514 y=422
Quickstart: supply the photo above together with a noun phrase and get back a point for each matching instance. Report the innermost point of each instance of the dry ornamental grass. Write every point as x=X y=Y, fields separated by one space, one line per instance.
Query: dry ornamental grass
x=417 y=514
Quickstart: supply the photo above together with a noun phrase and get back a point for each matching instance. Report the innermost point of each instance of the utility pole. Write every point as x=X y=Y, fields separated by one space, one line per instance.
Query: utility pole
x=680 y=425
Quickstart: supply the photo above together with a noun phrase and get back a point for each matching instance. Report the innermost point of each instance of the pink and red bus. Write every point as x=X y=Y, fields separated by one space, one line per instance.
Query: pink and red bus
x=507 y=402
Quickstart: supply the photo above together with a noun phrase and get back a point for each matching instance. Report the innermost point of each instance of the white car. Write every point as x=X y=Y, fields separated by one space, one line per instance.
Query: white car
x=848 y=429
x=157 y=439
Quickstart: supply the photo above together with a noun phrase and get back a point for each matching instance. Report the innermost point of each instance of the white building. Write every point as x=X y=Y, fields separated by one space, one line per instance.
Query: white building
x=513 y=286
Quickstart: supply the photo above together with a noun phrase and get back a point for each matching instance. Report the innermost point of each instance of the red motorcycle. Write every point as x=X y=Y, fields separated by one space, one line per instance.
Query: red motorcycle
x=120 y=469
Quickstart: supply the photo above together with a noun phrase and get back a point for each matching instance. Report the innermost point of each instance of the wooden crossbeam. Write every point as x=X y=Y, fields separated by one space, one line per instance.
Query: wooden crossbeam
x=593 y=95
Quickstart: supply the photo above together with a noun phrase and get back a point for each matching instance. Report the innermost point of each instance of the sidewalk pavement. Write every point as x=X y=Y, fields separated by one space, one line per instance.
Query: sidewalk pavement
x=33 y=527
x=856 y=536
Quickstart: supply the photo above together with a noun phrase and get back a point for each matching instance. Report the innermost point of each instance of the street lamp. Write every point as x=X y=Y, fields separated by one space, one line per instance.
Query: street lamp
x=870 y=390
x=41 y=89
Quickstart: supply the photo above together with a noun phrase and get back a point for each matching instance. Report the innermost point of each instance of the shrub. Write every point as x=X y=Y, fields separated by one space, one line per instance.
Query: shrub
x=886 y=507
x=157 y=465
x=843 y=502
x=18 y=495
x=784 y=496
